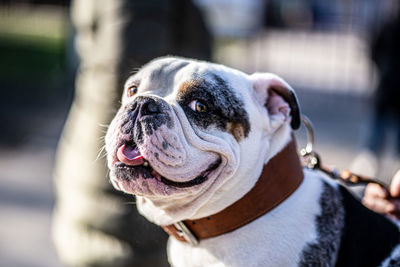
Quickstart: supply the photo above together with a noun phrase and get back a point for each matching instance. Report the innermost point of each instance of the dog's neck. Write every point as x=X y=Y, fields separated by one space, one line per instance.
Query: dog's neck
x=281 y=176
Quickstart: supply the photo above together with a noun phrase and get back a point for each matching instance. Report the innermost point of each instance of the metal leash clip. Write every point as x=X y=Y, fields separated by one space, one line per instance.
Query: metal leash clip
x=312 y=160
x=184 y=232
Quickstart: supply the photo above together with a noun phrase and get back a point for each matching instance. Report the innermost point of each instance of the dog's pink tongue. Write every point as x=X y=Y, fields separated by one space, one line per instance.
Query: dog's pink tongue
x=130 y=155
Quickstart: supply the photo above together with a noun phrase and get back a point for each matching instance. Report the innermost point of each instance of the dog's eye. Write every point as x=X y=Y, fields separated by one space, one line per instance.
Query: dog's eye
x=198 y=106
x=132 y=90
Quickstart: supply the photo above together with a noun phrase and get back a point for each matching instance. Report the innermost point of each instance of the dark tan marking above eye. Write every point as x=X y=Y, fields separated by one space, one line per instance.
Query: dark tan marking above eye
x=237 y=130
x=187 y=85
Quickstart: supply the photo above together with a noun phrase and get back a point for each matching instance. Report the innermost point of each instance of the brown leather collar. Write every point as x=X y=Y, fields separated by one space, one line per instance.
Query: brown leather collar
x=281 y=176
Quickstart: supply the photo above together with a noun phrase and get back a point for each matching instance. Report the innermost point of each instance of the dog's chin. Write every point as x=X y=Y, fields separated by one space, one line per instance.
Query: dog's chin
x=143 y=180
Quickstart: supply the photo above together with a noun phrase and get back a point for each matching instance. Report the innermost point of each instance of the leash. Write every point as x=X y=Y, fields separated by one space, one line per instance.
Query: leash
x=312 y=160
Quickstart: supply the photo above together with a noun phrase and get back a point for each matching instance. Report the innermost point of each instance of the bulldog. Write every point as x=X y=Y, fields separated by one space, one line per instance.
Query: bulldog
x=193 y=140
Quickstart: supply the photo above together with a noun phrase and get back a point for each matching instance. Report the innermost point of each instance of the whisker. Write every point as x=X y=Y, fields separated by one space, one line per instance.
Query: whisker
x=102 y=153
x=104 y=128
x=103 y=125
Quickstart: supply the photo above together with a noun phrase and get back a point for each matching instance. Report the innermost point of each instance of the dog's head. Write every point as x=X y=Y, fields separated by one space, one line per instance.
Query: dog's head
x=191 y=137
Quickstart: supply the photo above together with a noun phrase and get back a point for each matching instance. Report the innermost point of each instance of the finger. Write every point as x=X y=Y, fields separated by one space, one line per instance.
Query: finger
x=395 y=185
x=376 y=191
x=379 y=205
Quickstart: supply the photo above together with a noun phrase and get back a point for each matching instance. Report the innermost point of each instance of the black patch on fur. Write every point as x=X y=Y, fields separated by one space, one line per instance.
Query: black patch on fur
x=152 y=123
x=127 y=173
x=329 y=225
x=137 y=136
x=164 y=145
x=368 y=238
x=223 y=106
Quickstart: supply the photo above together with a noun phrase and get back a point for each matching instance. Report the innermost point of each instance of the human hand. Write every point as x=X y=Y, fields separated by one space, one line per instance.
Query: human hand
x=383 y=201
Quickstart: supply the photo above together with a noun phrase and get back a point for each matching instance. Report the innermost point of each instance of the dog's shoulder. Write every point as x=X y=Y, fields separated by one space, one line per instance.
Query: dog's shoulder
x=329 y=222
x=368 y=238
x=349 y=234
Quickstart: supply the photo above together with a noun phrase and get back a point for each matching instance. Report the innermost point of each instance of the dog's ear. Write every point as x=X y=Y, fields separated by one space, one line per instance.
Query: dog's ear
x=277 y=96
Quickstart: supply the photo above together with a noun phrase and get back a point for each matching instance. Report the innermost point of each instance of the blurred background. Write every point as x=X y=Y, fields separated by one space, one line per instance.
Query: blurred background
x=337 y=55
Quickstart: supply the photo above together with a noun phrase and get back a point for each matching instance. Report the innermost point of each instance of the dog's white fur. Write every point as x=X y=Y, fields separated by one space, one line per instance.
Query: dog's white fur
x=256 y=243
x=275 y=239
x=266 y=138
x=243 y=160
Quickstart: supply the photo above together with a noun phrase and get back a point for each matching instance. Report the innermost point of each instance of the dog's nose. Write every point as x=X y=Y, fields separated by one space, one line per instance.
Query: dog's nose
x=150 y=107
x=144 y=116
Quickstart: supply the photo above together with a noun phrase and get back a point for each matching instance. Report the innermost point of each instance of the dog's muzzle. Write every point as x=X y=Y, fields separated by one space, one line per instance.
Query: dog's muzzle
x=150 y=146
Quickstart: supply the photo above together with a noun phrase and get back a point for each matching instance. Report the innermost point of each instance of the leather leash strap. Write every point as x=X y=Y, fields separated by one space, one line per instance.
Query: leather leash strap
x=313 y=161
x=280 y=177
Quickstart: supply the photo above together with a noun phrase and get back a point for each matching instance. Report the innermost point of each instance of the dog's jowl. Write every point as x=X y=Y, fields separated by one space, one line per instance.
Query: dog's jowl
x=209 y=153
